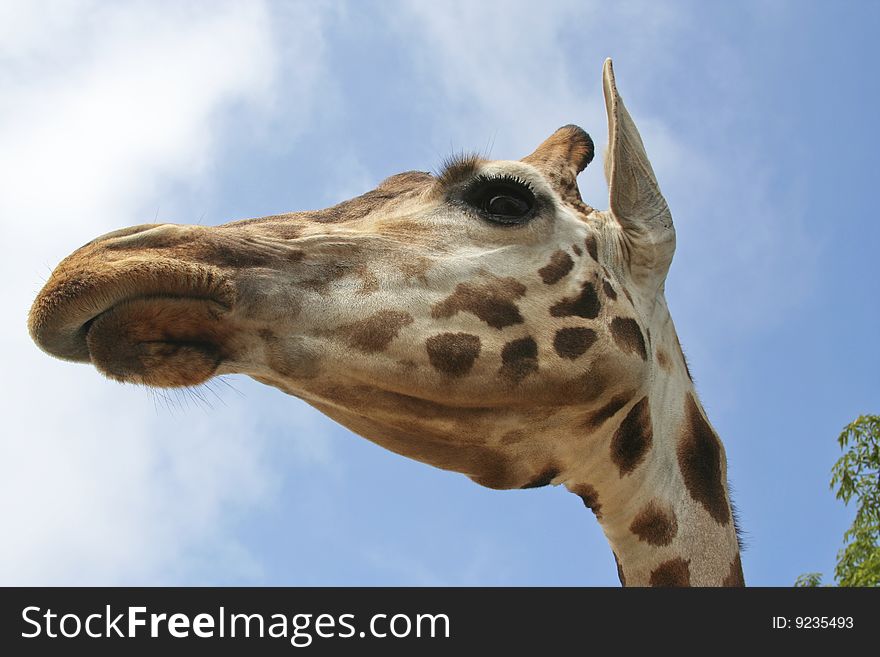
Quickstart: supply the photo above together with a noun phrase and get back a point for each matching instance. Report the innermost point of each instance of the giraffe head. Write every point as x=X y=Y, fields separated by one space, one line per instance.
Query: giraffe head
x=455 y=318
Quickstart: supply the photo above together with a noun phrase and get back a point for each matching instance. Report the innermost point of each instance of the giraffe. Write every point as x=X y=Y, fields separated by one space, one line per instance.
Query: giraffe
x=482 y=319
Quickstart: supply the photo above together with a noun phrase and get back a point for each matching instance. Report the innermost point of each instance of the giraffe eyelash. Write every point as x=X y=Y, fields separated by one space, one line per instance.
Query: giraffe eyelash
x=501 y=177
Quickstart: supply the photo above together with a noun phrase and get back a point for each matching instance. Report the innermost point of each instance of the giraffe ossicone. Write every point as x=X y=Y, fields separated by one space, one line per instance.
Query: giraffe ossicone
x=483 y=320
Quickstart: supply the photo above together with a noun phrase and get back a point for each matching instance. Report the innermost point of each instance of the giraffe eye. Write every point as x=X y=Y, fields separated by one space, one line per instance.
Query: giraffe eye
x=504 y=200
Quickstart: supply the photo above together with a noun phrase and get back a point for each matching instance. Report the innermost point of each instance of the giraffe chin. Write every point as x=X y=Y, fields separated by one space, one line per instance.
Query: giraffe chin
x=164 y=342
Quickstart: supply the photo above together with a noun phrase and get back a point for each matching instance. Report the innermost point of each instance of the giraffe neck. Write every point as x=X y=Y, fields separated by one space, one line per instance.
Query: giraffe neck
x=655 y=477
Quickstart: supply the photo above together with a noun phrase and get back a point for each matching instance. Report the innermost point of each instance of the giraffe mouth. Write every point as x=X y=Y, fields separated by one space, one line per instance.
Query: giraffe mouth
x=159 y=341
x=158 y=322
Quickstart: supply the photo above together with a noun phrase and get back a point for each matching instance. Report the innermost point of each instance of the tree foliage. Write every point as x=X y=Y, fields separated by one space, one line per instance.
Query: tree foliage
x=809 y=579
x=856 y=476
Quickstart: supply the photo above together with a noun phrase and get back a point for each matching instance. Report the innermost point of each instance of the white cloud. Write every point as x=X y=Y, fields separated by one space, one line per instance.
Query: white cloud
x=103 y=105
x=120 y=96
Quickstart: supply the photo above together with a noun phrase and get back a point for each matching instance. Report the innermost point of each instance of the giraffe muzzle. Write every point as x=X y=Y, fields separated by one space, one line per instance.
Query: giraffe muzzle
x=159 y=308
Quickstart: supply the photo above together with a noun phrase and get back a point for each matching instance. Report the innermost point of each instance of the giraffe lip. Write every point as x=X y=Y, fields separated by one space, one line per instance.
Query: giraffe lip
x=75 y=298
x=160 y=341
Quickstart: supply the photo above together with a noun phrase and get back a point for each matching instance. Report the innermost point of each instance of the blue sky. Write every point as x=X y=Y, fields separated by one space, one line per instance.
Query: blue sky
x=760 y=120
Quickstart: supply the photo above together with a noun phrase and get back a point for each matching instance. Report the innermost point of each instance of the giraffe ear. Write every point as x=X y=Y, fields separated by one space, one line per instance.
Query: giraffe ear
x=635 y=198
x=566 y=153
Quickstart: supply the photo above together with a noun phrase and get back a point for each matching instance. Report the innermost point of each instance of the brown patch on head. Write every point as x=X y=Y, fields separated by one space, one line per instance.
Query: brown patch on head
x=592 y=248
x=415 y=267
x=545 y=478
x=628 y=297
x=585 y=305
x=655 y=524
x=490 y=300
x=700 y=458
x=325 y=271
x=453 y=353
x=577 y=250
x=633 y=438
x=600 y=416
x=560 y=264
x=608 y=290
x=589 y=497
x=663 y=359
x=735 y=577
x=675 y=572
x=369 y=282
x=519 y=358
x=628 y=336
x=573 y=342
x=376 y=332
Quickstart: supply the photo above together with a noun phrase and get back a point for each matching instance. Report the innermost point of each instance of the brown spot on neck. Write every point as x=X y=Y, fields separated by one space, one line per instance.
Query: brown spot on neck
x=663 y=360
x=545 y=478
x=633 y=438
x=519 y=358
x=590 y=497
x=573 y=342
x=585 y=305
x=490 y=300
x=600 y=416
x=560 y=264
x=700 y=458
x=675 y=572
x=453 y=353
x=376 y=332
x=628 y=336
x=655 y=524
x=734 y=577
x=608 y=289
x=592 y=248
